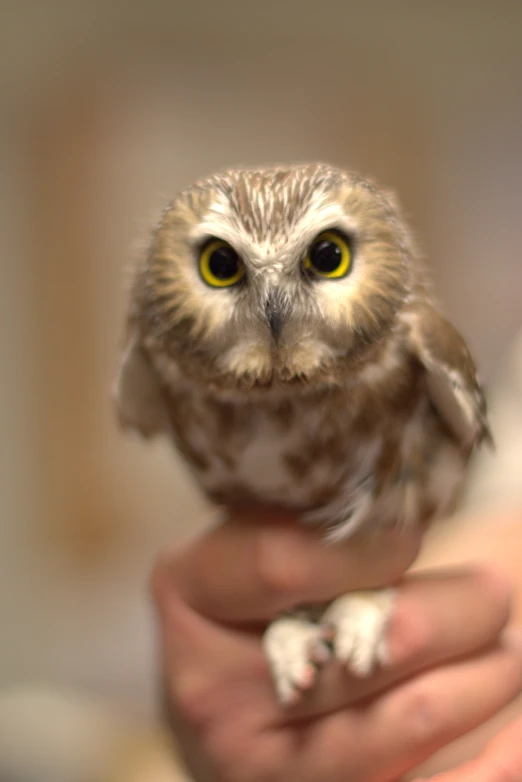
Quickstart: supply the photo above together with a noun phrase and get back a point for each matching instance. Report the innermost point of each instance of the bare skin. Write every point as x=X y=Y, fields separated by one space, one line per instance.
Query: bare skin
x=453 y=664
x=495 y=539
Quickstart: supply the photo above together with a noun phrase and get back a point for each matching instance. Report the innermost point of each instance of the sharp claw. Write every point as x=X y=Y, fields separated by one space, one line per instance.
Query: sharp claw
x=296 y=652
x=308 y=677
x=291 y=699
x=321 y=654
x=328 y=631
x=361 y=620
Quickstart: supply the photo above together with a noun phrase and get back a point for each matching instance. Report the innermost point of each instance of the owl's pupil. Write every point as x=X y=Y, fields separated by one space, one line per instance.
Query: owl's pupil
x=224 y=263
x=325 y=256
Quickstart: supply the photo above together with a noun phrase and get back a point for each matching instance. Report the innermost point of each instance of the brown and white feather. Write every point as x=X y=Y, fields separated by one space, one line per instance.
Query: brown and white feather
x=367 y=406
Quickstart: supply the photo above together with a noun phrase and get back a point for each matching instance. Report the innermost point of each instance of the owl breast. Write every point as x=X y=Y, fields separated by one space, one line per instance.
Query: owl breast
x=274 y=457
x=343 y=457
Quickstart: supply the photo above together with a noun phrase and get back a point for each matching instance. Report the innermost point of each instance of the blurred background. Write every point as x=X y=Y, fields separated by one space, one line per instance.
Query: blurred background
x=107 y=110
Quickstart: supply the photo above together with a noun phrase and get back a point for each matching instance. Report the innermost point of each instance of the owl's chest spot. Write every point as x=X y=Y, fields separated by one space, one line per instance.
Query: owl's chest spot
x=291 y=454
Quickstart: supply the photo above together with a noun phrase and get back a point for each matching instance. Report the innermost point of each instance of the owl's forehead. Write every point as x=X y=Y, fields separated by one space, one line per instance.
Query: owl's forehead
x=273 y=202
x=270 y=206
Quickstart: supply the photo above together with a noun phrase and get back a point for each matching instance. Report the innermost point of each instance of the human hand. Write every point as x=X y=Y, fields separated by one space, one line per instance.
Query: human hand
x=499 y=761
x=452 y=666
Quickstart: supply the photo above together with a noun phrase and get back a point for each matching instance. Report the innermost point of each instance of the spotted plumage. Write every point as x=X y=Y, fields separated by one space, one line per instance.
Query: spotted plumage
x=340 y=391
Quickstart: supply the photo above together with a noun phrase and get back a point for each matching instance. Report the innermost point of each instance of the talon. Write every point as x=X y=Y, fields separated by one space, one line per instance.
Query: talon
x=292 y=699
x=321 y=654
x=361 y=620
x=296 y=652
x=328 y=630
x=308 y=677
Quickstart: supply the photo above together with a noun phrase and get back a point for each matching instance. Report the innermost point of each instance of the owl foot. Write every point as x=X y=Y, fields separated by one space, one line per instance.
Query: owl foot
x=296 y=650
x=359 y=621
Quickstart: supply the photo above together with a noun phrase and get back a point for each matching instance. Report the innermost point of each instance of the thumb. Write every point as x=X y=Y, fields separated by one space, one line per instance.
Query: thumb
x=262 y=562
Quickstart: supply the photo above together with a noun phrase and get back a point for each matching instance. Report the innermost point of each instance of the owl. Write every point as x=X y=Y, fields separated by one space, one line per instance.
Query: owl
x=282 y=333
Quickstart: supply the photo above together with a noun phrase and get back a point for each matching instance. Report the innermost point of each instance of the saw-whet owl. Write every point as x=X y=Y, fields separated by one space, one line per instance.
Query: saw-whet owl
x=283 y=334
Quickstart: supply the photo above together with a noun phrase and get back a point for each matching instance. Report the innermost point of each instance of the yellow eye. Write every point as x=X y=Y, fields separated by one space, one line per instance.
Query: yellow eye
x=219 y=264
x=329 y=256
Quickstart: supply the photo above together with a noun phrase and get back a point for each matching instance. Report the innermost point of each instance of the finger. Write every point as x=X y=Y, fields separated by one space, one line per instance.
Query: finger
x=426 y=629
x=207 y=671
x=500 y=761
x=260 y=563
x=194 y=647
x=416 y=719
x=200 y=654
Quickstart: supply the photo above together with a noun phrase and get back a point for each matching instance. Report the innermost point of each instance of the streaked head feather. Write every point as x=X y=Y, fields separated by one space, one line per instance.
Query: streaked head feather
x=270 y=216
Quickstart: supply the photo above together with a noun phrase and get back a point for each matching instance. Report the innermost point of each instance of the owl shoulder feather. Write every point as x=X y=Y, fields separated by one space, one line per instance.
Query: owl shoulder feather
x=452 y=380
x=139 y=396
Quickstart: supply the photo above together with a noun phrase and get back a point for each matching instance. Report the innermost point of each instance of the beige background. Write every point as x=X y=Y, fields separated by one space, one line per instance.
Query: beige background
x=108 y=109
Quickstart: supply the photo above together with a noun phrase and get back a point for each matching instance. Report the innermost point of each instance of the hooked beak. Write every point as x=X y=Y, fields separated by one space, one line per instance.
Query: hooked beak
x=275 y=314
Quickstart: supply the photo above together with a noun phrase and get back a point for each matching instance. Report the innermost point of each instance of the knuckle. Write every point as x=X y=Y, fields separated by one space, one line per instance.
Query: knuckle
x=411 y=634
x=238 y=758
x=424 y=718
x=493 y=583
x=280 y=573
x=195 y=702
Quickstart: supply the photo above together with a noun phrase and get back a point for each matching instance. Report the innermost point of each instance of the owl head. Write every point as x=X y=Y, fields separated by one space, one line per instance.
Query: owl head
x=257 y=279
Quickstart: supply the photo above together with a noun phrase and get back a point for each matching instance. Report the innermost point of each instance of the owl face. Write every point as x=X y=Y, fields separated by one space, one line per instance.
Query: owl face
x=274 y=276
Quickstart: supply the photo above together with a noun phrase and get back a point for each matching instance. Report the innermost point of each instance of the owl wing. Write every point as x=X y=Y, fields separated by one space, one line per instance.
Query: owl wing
x=139 y=397
x=453 y=384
